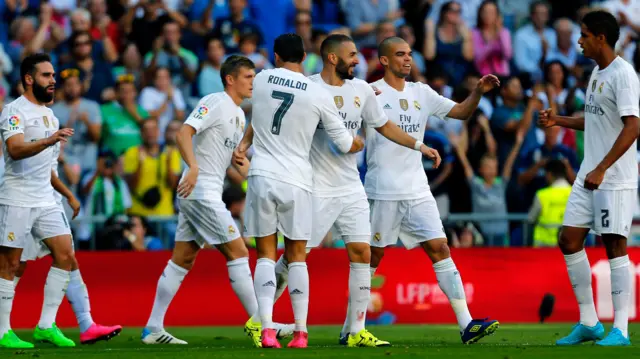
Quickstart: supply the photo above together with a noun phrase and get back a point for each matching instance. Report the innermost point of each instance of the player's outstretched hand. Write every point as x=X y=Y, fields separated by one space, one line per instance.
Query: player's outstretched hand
x=240 y=154
x=594 y=179
x=60 y=135
x=546 y=118
x=432 y=155
x=488 y=83
x=75 y=205
x=188 y=183
x=357 y=145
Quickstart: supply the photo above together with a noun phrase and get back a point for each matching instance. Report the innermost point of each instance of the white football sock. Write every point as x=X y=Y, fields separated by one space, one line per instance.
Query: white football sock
x=580 y=276
x=450 y=282
x=242 y=284
x=299 y=294
x=7 y=292
x=15 y=281
x=168 y=286
x=347 y=321
x=264 y=281
x=282 y=276
x=78 y=297
x=359 y=295
x=620 y=291
x=54 y=290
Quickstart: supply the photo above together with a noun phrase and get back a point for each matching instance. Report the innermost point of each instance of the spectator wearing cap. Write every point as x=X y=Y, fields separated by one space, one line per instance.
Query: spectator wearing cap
x=105 y=193
x=231 y=29
x=121 y=119
x=163 y=100
x=209 y=80
x=533 y=41
x=167 y=52
x=81 y=114
x=152 y=172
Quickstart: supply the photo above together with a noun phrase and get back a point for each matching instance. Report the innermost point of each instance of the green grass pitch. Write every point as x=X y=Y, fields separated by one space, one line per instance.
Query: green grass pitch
x=425 y=341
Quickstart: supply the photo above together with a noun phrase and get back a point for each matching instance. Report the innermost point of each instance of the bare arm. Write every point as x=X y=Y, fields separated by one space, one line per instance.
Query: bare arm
x=464 y=161
x=627 y=136
x=429 y=40
x=489 y=140
x=18 y=149
x=172 y=177
x=548 y=118
x=94 y=128
x=59 y=186
x=513 y=155
x=465 y=109
x=185 y=145
x=134 y=178
x=73 y=176
x=87 y=188
x=467 y=44
x=395 y=134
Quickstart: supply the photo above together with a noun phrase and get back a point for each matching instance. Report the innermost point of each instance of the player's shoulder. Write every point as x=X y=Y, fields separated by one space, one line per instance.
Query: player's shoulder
x=359 y=84
x=16 y=105
x=624 y=72
x=315 y=78
x=214 y=100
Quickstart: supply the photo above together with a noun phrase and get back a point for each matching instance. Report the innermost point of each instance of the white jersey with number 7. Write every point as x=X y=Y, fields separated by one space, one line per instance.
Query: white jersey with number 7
x=287 y=109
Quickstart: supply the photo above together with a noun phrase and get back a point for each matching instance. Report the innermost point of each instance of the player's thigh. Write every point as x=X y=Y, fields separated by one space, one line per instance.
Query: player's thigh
x=15 y=225
x=260 y=218
x=579 y=212
x=326 y=210
x=385 y=219
x=52 y=227
x=613 y=211
x=421 y=222
x=294 y=210
x=353 y=224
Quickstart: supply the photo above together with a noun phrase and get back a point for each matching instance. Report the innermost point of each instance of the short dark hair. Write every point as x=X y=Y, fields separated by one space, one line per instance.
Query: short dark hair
x=232 y=65
x=555 y=168
x=289 y=47
x=252 y=36
x=331 y=44
x=232 y=195
x=601 y=22
x=28 y=66
x=537 y=3
x=74 y=37
x=385 y=45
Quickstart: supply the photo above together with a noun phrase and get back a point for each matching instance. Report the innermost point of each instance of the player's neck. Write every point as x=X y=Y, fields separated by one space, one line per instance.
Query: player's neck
x=292 y=66
x=394 y=81
x=237 y=99
x=605 y=58
x=330 y=77
x=32 y=98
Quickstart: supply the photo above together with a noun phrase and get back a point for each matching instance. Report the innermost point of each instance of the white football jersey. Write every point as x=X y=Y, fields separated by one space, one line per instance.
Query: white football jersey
x=613 y=92
x=27 y=182
x=219 y=125
x=396 y=172
x=287 y=108
x=336 y=173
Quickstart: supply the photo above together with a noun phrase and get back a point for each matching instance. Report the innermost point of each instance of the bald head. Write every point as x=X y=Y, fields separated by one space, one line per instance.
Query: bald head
x=386 y=46
x=331 y=45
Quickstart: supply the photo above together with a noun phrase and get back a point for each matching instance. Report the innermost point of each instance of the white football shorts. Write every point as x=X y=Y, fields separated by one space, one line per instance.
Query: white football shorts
x=411 y=221
x=273 y=205
x=22 y=224
x=603 y=211
x=35 y=250
x=349 y=214
x=205 y=221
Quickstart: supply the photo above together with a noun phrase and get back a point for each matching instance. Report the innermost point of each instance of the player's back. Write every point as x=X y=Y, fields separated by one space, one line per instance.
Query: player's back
x=27 y=182
x=285 y=117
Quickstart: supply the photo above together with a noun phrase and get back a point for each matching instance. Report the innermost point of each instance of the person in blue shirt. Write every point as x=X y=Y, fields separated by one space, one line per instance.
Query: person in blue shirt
x=230 y=29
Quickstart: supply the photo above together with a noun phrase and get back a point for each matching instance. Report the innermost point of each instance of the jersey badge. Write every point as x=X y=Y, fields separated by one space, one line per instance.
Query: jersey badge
x=600 y=87
x=416 y=105
x=339 y=101
x=377 y=237
x=14 y=122
x=593 y=85
x=231 y=230
x=11 y=237
x=45 y=120
x=356 y=102
x=404 y=104
x=201 y=112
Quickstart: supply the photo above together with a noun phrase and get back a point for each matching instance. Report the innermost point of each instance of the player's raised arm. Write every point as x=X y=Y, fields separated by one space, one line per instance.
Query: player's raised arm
x=548 y=119
x=334 y=127
x=464 y=110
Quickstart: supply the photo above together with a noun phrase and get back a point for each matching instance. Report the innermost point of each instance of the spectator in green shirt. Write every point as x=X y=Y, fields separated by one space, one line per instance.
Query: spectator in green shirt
x=121 y=119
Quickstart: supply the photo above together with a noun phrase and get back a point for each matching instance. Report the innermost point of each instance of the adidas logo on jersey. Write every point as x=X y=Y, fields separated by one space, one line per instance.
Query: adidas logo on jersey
x=387 y=107
x=295 y=291
x=269 y=284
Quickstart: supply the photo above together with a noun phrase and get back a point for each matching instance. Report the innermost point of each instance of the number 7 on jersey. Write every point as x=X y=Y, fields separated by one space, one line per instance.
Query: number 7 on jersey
x=287 y=100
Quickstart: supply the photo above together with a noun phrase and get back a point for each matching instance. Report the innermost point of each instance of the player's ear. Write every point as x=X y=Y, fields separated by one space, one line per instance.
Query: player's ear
x=383 y=60
x=229 y=79
x=304 y=56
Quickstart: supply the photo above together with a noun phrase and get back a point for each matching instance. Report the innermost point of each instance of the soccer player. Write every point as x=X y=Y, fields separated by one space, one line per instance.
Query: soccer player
x=76 y=293
x=338 y=195
x=287 y=109
x=604 y=193
x=402 y=205
x=217 y=123
x=27 y=204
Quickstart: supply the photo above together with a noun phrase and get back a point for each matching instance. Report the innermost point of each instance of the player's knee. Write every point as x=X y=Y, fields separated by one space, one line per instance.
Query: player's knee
x=437 y=249
x=10 y=266
x=184 y=260
x=359 y=252
x=567 y=244
x=63 y=259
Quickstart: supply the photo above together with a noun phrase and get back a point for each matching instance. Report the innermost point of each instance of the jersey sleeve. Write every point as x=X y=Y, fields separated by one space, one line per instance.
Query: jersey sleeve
x=436 y=104
x=372 y=112
x=627 y=92
x=333 y=125
x=11 y=122
x=205 y=114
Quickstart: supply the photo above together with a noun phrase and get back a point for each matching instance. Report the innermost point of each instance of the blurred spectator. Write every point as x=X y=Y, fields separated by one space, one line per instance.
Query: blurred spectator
x=491 y=41
x=438 y=177
x=81 y=114
x=628 y=14
x=565 y=50
x=418 y=67
x=562 y=99
x=375 y=71
x=102 y=28
x=140 y=229
x=203 y=13
x=81 y=22
x=304 y=28
x=533 y=41
x=152 y=173
x=479 y=139
x=231 y=29
x=468 y=10
x=121 y=119
x=104 y=191
x=209 y=80
x=489 y=192
x=69 y=174
x=167 y=52
x=548 y=208
x=363 y=15
x=273 y=17
x=170 y=134
x=449 y=44
x=122 y=232
x=312 y=64
x=234 y=199
x=415 y=13
x=6 y=67
x=96 y=74
x=162 y=100
x=144 y=30
x=248 y=46
x=130 y=64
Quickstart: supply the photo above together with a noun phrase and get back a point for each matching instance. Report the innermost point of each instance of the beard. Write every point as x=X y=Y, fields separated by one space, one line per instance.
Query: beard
x=342 y=70
x=41 y=94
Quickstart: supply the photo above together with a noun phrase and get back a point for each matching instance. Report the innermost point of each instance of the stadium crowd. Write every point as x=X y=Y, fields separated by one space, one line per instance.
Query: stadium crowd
x=129 y=71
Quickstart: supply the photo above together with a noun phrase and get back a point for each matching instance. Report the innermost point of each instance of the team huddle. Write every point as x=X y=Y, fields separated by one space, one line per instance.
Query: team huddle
x=303 y=181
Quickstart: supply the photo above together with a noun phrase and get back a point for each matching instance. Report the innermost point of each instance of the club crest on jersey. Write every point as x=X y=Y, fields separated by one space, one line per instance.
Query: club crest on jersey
x=376 y=237
x=416 y=105
x=593 y=85
x=356 y=102
x=231 y=230
x=339 y=101
x=600 y=87
x=404 y=104
x=14 y=122
x=11 y=237
x=45 y=120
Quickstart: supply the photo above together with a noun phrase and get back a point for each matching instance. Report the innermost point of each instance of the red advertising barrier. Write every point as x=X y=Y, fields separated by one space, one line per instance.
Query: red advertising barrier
x=505 y=284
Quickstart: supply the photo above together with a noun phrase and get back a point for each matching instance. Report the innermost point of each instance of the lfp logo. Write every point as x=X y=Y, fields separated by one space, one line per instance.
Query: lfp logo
x=203 y=111
x=14 y=121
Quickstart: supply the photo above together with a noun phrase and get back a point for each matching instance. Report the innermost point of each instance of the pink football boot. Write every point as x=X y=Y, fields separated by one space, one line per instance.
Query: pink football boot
x=269 y=339
x=300 y=340
x=98 y=332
